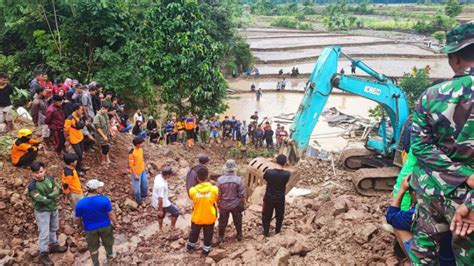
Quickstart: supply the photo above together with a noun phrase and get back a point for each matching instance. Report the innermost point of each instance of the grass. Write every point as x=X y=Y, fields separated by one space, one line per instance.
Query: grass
x=375 y=24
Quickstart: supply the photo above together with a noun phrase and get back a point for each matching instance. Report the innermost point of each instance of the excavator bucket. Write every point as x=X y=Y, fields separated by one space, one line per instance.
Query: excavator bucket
x=256 y=169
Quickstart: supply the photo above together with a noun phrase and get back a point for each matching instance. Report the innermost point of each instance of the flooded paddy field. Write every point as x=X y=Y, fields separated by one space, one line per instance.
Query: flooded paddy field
x=373 y=50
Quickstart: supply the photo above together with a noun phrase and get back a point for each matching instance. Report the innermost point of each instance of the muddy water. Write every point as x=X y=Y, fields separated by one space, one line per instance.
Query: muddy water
x=273 y=104
x=295 y=42
x=390 y=67
x=267 y=84
x=369 y=50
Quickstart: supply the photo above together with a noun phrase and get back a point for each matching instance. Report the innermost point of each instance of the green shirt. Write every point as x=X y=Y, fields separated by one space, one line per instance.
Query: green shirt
x=406 y=170
x=442 y=140
x=101 y=121
x=43 y=194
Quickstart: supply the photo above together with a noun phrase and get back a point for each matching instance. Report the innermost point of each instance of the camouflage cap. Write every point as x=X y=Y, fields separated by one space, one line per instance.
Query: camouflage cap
x=459 y=37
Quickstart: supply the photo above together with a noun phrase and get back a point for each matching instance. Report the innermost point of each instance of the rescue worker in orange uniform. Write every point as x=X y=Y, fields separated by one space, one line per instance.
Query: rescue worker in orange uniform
x=25 y=148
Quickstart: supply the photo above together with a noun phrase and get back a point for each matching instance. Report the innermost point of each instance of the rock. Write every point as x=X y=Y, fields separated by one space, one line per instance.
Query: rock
x=340 y=205
x=353 y=214
x=257 y=195
x=364 y=234
x=81 y=246
x=209 y=261
x=183 y=163
x=175 y=245
x=4 y=253
x=226 y=262
x=250 y=256
x=15 y=197
x=236 y=253
x=307 y=229
x=68 y=230
x=281 y=257
x=218 y=254
x=326 y=209
x=126 y=219
x=300 y=248
x=131 y=204
x=15 y=242
x=62 y=238
x=2 y=205
x=269 y=250
x=17 y=182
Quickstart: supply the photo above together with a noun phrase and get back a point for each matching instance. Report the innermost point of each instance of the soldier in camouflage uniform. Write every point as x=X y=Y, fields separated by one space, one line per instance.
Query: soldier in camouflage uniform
x=443 y=142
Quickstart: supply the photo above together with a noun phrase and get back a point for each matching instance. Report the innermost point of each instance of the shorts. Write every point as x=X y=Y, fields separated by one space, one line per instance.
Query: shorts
x=105 y=149
x=172 y=210
x=6 y=114
x=214 y=134
x=45 y=132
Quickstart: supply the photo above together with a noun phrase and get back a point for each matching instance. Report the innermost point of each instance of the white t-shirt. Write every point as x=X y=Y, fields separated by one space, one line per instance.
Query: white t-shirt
x=160 y=190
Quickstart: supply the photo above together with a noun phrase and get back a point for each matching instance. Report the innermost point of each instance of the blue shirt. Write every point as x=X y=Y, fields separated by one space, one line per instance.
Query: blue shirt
x=400 y=219
x=94 y=212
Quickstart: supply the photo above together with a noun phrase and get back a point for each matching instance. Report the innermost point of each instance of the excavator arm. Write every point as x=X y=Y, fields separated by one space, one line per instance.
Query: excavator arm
x=321 y=82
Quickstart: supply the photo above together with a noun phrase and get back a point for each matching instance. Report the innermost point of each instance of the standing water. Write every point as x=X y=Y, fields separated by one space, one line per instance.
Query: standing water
x=272 y=104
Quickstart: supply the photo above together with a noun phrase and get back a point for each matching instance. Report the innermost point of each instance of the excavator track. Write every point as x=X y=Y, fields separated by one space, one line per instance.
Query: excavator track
x=353 y=159
x=375 y=181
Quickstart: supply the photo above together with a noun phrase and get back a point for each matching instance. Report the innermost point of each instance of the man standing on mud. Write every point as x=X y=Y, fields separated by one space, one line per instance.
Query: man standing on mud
x=274 y=199
x=442 y=141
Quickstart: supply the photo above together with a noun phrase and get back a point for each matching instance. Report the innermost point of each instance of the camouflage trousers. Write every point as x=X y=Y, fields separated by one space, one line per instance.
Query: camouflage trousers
x=432 y=220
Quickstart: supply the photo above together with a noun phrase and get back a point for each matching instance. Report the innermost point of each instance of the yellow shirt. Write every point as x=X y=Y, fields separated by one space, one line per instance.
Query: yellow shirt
x=71 y=178
x=204 y=196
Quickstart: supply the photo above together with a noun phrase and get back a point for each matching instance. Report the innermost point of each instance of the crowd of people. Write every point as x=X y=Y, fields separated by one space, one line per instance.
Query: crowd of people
x=431 y=213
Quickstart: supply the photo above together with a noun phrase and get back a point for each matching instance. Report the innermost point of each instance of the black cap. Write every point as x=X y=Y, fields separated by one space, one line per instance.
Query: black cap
x=203 y=159
x=167 y=170
x=57 y=98
x=281 y=159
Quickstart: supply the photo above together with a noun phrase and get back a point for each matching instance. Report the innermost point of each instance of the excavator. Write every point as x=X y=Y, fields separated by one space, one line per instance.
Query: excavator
x=377 y=165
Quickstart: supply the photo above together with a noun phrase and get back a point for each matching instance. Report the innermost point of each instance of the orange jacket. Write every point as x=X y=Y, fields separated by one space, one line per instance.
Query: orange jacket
x=20 y=148
x=204 y=196
x=71 y=182
x=136 y=161
x=75 y=134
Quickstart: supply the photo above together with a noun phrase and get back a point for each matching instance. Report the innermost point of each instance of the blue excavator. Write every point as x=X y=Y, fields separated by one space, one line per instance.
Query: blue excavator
x=377 y=165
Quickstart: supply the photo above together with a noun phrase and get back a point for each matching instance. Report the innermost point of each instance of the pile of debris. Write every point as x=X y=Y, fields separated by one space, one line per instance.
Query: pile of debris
x=327 y=223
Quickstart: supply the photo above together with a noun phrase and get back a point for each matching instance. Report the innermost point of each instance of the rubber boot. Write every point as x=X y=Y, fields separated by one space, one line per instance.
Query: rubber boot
x=239 y=235
x=221 y=236
x=56 y=248
x=45 y=260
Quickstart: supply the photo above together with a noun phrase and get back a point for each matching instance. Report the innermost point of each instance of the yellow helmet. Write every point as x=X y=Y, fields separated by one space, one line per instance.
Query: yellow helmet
x=24 y=132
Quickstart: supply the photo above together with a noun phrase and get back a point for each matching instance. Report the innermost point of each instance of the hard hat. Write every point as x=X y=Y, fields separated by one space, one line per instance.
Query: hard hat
x=24 y=132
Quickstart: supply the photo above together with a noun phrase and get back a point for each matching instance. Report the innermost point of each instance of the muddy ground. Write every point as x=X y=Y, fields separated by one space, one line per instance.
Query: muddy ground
x=331 y=224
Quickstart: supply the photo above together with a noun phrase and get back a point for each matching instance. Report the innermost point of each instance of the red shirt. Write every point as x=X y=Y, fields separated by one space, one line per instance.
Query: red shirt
x=54 y=117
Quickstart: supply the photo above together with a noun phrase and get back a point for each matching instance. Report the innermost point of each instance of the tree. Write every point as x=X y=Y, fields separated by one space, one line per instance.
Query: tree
x=453 y=8
x=440 y=36
x=414 y=86
x=185 y=57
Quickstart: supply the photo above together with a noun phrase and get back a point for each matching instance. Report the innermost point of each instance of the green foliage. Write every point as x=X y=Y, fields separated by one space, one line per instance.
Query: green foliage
x=290 y=22
x=453 y=8
x=363 y=9
x=300 y=17
x=439 y=22
x=145 y=51
x=414 y=86
x=285 y=22
x=20 y=97
x=440 y=36
x=185 y=59
x=6 y=142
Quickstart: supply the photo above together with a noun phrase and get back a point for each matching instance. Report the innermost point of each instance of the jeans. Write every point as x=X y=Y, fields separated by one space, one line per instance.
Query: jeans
x=47 y=222
x=208 y=230
x=236 y=217
x=267 y=213
x=140 y=186
x=243 y=139
x=93 y=238
x=79 y=150
x=126 y=129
